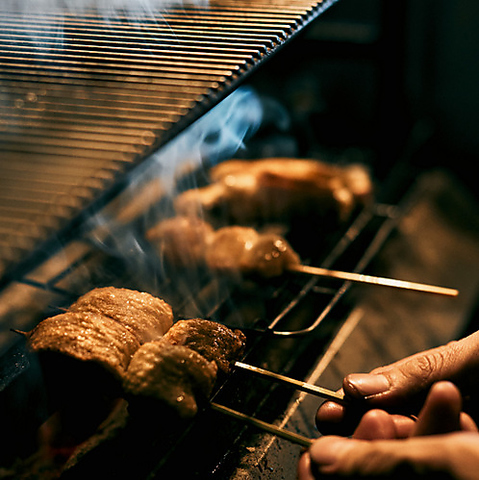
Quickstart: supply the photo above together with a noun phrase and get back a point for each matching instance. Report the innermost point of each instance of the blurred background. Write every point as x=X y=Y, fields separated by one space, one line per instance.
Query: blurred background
x=396 y=79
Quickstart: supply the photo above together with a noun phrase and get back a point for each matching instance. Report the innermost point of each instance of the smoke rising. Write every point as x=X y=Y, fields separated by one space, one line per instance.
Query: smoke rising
x=136 y=9
x=216 y=136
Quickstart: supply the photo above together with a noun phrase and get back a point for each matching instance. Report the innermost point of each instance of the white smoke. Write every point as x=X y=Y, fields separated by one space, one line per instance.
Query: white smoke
x=106 y=8
x=216 y=136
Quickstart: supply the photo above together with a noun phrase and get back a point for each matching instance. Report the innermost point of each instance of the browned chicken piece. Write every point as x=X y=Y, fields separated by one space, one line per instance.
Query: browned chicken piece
x=234 y=249
x=145 y=316
x=216 y=342
x=243 y=250
x=175 y=375
x=88 y=337
x=278 y=189
x=181 y=240
x=358 y=180
x=354 y=176
x=83 y=358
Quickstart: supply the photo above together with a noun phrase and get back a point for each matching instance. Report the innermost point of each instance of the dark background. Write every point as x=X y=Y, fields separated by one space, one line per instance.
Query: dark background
x=389 y=80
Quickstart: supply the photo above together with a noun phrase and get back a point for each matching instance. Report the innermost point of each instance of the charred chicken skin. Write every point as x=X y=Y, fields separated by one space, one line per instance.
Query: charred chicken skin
x=88 y=337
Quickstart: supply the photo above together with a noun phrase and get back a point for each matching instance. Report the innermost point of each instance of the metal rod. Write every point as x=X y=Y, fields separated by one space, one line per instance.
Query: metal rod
x=372 y=280
x=300 y=385
x=267 y=427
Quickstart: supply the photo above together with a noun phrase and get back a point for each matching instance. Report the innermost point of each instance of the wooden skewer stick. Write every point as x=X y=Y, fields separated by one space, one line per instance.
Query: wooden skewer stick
x=267 y=427
x=385 y=282
x=303 y=386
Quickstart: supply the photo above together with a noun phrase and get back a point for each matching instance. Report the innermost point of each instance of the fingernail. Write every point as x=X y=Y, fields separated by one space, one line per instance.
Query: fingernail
x=367 y=384
x=326 y=450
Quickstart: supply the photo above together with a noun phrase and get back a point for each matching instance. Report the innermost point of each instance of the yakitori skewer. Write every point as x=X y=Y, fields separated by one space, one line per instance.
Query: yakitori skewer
x=267 y=427
x=242 y=250
x=300 y=385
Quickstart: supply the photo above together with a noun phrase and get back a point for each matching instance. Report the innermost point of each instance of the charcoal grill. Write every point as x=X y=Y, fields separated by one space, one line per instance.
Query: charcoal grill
x=85 y=114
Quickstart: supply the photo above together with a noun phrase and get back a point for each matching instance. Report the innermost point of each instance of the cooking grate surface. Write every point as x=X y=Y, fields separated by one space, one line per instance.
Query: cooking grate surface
x=85 y=99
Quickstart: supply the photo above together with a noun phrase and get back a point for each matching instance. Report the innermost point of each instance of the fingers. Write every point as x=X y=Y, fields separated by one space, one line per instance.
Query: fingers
x=380 y=445
x=454 y=454
x=402 y=386
x=331 y=419
x=380 y=425
x=404 y=382
x=467 y=423
x=441 y=411
x=305 y=467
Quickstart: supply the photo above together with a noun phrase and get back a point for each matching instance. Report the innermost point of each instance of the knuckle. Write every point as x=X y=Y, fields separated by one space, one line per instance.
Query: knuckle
x=427 y=368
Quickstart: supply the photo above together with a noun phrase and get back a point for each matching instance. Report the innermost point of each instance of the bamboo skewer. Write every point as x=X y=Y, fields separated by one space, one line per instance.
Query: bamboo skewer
x=300 y=385
x=267 y=427
x=373 y=280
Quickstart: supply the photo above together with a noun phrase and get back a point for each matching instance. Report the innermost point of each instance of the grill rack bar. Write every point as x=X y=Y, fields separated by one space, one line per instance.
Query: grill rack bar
x=81 y=89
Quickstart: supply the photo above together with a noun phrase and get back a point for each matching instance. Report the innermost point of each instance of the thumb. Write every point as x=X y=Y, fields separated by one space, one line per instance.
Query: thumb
x=408 y=380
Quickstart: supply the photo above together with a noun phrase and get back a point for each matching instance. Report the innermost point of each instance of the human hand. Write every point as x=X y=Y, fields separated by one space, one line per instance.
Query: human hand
x=402 y=386
x=383 y=447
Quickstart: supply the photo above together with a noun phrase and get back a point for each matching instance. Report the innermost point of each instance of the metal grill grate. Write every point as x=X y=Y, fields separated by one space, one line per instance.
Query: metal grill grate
x=84 y=99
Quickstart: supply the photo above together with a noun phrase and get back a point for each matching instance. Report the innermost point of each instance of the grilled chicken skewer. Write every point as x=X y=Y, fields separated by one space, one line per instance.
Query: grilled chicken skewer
x=150 y=374
x=103 y=328
x=177 y=366
x=190 y=241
